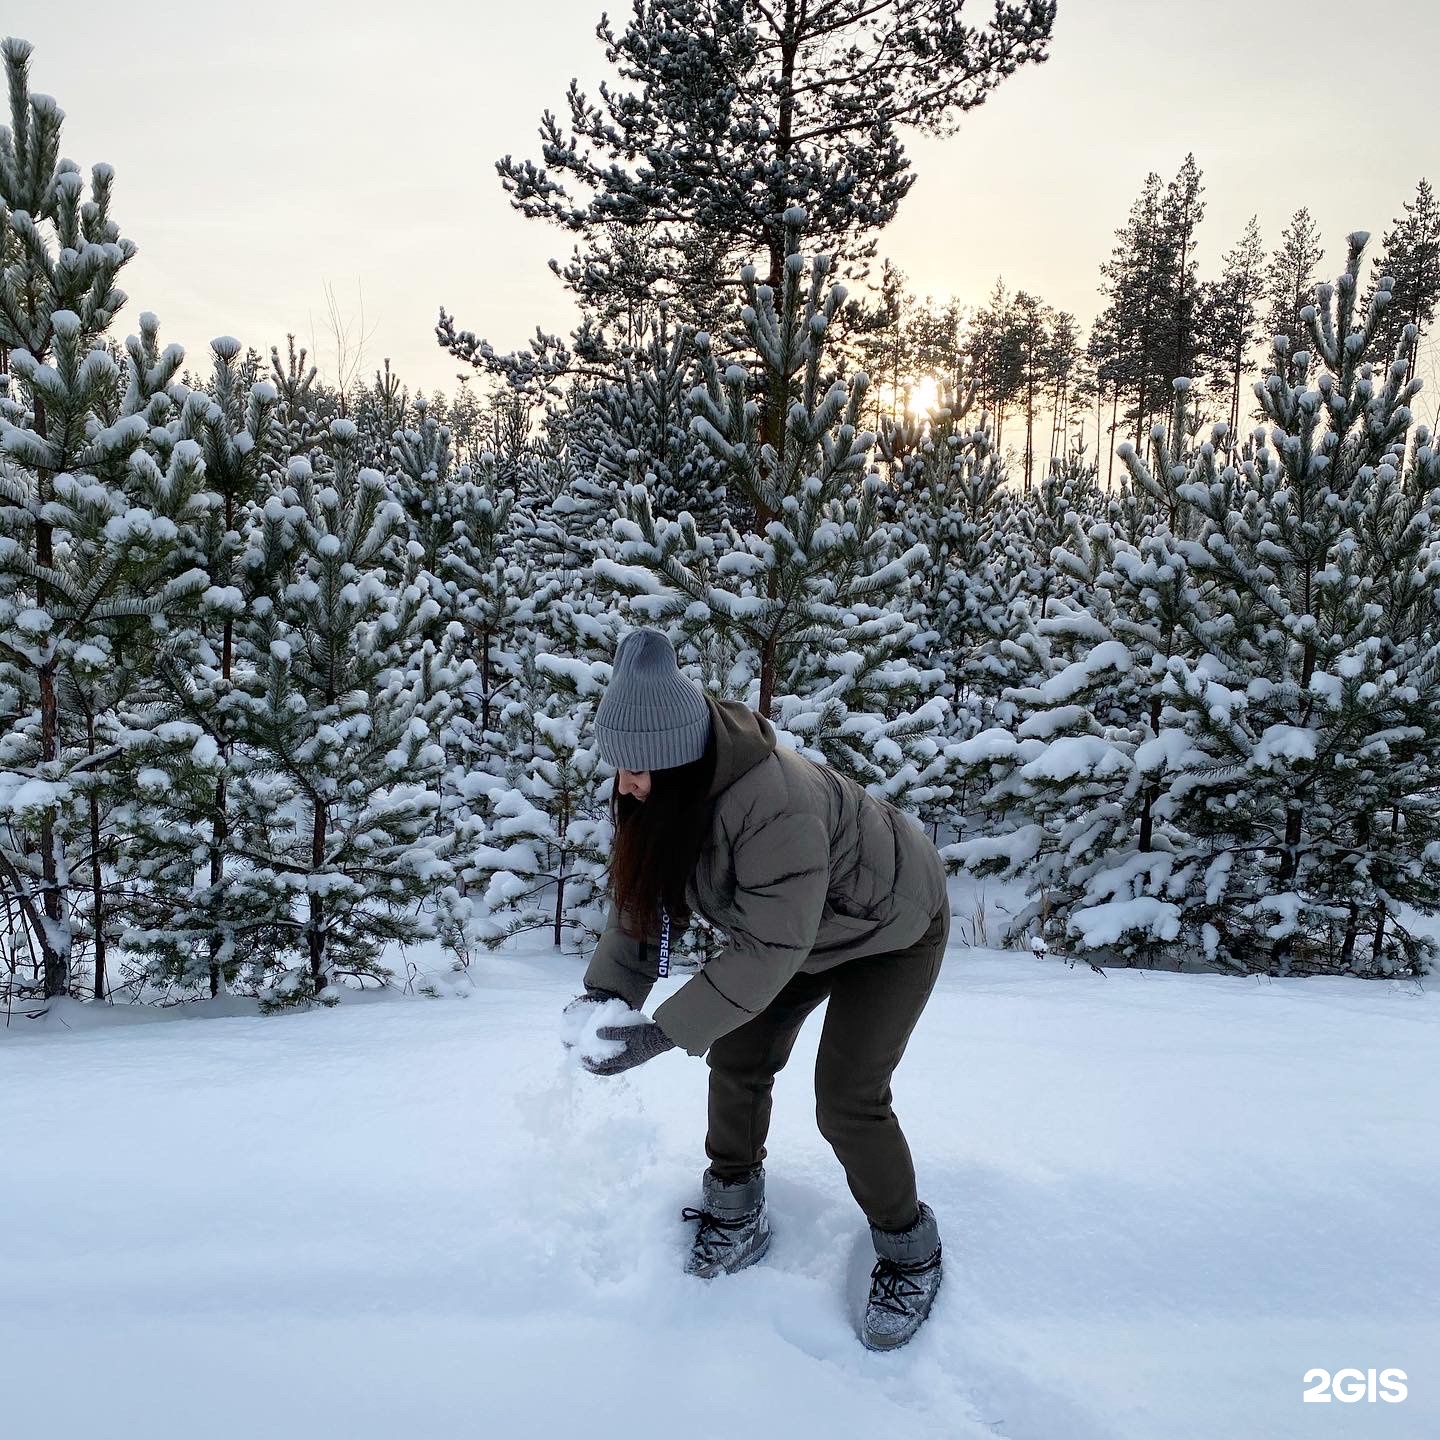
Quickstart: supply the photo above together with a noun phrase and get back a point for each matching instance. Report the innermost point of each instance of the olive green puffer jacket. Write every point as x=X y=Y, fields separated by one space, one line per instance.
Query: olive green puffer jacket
x=803 y=869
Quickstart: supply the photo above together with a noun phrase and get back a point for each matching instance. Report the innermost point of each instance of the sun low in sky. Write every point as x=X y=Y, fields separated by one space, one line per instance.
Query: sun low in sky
x=924 y=396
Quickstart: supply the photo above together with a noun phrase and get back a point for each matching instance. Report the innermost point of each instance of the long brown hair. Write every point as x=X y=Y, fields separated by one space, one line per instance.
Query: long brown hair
x=657 y=842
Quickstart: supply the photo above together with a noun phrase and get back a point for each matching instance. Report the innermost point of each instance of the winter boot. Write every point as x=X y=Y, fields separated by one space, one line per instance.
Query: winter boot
x=903 y=1282
x=734 y=1229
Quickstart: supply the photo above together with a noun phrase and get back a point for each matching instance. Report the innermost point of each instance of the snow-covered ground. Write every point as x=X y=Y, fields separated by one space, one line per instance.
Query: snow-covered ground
x=1164 y=1198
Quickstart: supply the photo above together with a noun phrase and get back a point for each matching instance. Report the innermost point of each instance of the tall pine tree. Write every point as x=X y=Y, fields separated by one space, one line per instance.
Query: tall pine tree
x=1230 y=323
x=1290 y=281
x=1410 y=259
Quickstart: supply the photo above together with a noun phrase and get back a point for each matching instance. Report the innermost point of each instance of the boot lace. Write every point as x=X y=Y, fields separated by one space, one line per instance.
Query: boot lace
x=891 y=1286
x=711 y=1234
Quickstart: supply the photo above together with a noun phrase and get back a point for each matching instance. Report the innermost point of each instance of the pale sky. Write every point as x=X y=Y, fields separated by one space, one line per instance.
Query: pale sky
x=261 y=152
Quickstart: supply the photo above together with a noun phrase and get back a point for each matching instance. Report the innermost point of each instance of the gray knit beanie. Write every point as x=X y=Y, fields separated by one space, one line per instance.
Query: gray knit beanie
x=652 y=717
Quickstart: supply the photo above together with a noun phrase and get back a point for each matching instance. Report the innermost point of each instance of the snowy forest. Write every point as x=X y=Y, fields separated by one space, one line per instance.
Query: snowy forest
x=298 y=672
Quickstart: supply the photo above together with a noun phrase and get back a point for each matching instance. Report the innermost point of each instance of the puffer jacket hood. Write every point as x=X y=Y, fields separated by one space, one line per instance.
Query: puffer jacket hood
x=742 y=740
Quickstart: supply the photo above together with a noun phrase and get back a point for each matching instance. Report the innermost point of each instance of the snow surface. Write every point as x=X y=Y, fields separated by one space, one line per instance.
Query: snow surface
x=1163 y=1198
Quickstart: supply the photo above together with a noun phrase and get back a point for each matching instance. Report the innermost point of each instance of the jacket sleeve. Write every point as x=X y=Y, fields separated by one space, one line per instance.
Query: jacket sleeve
x=782 y=874
x=623 y=963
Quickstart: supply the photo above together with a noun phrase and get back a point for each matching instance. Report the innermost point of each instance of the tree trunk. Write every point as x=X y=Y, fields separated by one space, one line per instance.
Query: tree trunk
x=97 y=879
x=559 y=900
x=54 y=944
x=98 y=891
x=1294 y=814
x=1352 y=929
x=220 y=818
x=484 y=682
x=1029 y=432
x=1099 y=426
x=1180 y=365
x=219 y=834
x=1114 y=426
x=789 y=44
x=1235 y=401
x=316 y=926
x=1152 y=791
x=1352 y=918
x=767 y=677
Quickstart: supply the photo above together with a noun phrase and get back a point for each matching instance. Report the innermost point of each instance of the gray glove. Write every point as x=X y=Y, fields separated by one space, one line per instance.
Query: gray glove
x=641 y=1042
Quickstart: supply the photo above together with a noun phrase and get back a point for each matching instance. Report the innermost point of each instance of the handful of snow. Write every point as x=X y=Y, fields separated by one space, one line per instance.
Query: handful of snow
x=580 y=1021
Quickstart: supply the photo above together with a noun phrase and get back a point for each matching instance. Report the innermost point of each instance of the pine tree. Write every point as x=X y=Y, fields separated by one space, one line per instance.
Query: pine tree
x=1147 y=333
x=501 y=428
x=1075 y=773
x=1061 y=371
x=193 y=919
x=1230 y=758
x=1290 y=282
x=935 y=343
x=342 y=716
x=1317 y=708
x=1034 y=321
x=92 y=574
x=1183 y=211
x=541 y=863
x=1109 y=363
x=1230 y=330
x=88 y=520
x=806 y=598
x=741 y=110
x=1079 y=778
x=467 y=540
x=475 y=431
x=299 y=422
x=728 y=115
x=1410 y=258
x=382 y=410
x=948 y=481
x=1135 y=285
x=642 y=432
x=882 y=344
x=994 y=356
x=426 y=482
x=480 y=571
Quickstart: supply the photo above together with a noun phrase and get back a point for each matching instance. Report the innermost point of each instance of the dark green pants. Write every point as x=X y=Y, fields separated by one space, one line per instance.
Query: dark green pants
x=874 y=1004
